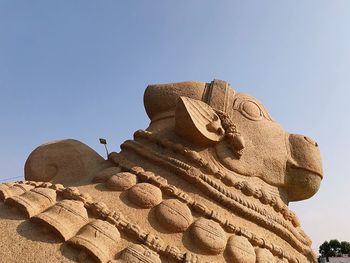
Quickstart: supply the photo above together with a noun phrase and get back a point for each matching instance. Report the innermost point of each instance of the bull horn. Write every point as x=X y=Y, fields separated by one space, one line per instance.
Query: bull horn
x=197 y=122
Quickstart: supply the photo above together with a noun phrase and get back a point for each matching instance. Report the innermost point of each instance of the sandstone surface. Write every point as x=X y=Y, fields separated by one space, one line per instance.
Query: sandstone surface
x=209 y=180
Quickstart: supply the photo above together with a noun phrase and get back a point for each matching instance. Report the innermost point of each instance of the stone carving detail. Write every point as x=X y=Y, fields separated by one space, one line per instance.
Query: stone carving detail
x=198 y=207
x=264 y=256
x=66 y=217
x=73 y=200
x=240 y=250
x=121 y=181
x=244 y=186
x=198 y=122
x=33 y=202
x=105 y=174
x=235 y=139
x=208 y=235
x=139 y=254
x=174 y=215
x=216 y=170
x=220 y=195
x=8 y=190
x=99 y=238
x=145 y=195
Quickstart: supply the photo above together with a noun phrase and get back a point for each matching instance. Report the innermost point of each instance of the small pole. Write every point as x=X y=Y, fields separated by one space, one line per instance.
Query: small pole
x=104 y=142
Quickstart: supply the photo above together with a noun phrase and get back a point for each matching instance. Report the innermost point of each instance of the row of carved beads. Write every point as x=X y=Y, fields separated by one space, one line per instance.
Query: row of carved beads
x=256 y=214
x=98 y=209
x=176 y=217
x=246 y=188
x=146 y=176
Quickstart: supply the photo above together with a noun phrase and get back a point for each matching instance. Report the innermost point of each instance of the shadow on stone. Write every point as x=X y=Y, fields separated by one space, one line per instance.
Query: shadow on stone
x=36 y=232
x=10 y=213
x=124 y=198
x=152 y=219
x=190 y=244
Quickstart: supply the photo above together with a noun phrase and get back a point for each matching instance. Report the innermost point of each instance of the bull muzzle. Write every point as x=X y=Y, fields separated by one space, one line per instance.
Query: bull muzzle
x=304 y=168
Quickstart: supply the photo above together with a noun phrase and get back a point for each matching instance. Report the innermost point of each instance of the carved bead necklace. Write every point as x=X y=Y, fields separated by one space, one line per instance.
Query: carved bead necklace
x=243 y=186
x=150 y=177
x=117 y=219
x=217 y=193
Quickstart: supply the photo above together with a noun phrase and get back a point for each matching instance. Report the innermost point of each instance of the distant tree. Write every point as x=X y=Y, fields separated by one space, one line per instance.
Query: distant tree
x=325 y=250
x=345 y=247
x=335 y=246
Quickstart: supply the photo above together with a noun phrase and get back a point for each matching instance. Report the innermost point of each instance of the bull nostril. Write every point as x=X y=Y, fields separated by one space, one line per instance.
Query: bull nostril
x=311 y=141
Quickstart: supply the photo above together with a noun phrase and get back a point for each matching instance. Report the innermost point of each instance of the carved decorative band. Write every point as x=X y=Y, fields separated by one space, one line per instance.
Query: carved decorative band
x=241 y=206
x=150 y=177
x=117 y=219
x=244 y=186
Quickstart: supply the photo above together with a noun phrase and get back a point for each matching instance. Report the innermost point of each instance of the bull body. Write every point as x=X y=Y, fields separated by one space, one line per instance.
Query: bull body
x=209 y=180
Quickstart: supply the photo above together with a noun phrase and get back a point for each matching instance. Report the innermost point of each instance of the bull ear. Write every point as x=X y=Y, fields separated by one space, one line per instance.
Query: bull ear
x=197 y=122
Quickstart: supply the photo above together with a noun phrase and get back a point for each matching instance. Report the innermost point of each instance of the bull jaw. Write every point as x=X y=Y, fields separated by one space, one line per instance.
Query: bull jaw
x=302 y=183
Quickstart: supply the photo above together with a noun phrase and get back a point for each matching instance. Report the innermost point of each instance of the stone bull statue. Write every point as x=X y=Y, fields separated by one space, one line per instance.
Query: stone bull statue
x=209 y=180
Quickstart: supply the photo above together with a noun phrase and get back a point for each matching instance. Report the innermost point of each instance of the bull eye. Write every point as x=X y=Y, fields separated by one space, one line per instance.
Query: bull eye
x=251 y=110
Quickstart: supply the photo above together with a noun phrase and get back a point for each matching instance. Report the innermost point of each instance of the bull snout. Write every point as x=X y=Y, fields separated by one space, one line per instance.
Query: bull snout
x=304 y=168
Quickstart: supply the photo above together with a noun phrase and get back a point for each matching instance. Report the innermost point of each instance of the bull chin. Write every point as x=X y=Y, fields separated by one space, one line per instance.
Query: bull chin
x=302 y=183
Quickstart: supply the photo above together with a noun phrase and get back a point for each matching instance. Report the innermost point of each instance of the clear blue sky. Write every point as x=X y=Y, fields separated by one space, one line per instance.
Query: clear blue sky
x=78 y=69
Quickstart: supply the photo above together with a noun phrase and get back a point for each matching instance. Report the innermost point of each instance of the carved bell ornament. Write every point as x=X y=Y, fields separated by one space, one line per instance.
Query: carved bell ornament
x=33 y=202
x=99 y=238
x=66 y=218
x=9 y=190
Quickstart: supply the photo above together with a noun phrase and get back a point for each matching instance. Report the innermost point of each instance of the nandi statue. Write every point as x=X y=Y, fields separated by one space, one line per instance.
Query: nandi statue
x=209 y=180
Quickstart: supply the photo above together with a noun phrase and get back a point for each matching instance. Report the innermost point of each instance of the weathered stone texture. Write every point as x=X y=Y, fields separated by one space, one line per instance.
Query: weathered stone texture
x=209 y=180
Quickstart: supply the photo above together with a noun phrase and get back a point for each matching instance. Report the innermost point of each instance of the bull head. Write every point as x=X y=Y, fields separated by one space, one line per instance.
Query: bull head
x=238 y=133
